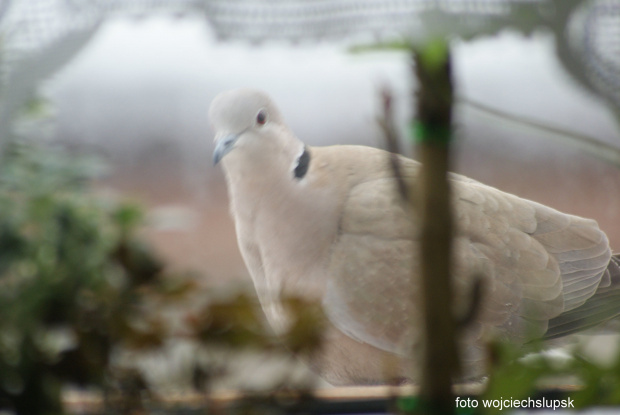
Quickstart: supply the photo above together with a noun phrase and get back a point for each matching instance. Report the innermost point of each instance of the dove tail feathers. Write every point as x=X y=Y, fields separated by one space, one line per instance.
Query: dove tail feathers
x=603 y=306
x=615 y=263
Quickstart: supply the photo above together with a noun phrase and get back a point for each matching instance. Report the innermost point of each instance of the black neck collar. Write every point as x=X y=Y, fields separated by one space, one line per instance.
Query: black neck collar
x=303 y=162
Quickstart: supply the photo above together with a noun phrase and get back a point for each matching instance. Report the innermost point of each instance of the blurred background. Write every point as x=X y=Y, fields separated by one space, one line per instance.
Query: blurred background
x=131 y=82
x=138 y=93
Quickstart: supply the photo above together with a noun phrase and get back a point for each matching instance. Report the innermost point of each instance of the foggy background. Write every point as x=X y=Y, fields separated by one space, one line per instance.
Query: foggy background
x=138 y=93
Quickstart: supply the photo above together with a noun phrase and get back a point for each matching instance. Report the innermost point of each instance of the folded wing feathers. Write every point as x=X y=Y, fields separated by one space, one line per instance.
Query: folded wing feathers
x=600 y=307
x=561 y=261
x=544 y=263
x=581 y=250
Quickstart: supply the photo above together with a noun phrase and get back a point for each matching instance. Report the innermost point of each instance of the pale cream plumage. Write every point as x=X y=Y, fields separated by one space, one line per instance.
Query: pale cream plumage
x=328 y=223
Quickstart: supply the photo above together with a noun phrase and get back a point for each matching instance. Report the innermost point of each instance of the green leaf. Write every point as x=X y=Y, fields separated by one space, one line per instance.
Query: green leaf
x=433 y=54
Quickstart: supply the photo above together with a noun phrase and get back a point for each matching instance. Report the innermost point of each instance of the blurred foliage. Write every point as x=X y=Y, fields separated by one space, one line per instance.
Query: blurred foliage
x=238 y=322
x=433 y=54
x=76 y=282
x=519 y=373
x=396 y=45
x=70 y=266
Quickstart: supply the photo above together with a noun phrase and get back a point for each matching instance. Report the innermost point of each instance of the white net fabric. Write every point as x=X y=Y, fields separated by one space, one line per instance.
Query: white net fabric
x=594 y=37
x=301 y=20
x=38 y=36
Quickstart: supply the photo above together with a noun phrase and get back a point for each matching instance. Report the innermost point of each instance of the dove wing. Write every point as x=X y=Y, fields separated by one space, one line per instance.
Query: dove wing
x=536 y=262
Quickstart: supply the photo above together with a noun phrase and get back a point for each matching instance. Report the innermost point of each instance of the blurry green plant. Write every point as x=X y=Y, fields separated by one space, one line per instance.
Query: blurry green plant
x=519 y=373
x=76 y=282
x=70 y=265
x=239 y=323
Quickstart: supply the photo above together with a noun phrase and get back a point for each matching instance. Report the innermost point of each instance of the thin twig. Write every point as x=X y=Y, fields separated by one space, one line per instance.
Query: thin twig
x=583 y=142
x=386 y=122
x=469 y=315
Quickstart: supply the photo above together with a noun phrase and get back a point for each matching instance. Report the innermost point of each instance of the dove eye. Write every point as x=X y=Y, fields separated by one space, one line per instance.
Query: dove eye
x=261 y=117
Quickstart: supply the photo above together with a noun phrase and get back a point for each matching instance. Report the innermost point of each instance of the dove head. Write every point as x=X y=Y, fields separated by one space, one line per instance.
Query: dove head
x=249 y=131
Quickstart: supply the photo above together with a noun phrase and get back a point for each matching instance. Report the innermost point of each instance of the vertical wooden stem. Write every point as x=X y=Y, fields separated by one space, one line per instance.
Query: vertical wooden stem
x=434 y=118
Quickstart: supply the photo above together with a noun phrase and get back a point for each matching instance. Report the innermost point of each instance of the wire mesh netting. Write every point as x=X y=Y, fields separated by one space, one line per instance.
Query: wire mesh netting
x=594 y=36
x=39 y=36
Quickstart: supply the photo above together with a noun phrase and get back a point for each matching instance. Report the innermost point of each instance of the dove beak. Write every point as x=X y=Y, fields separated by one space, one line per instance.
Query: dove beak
x=224 y=146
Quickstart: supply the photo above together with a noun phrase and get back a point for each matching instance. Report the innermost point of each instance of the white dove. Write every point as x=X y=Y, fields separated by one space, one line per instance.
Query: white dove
x=328 y=223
